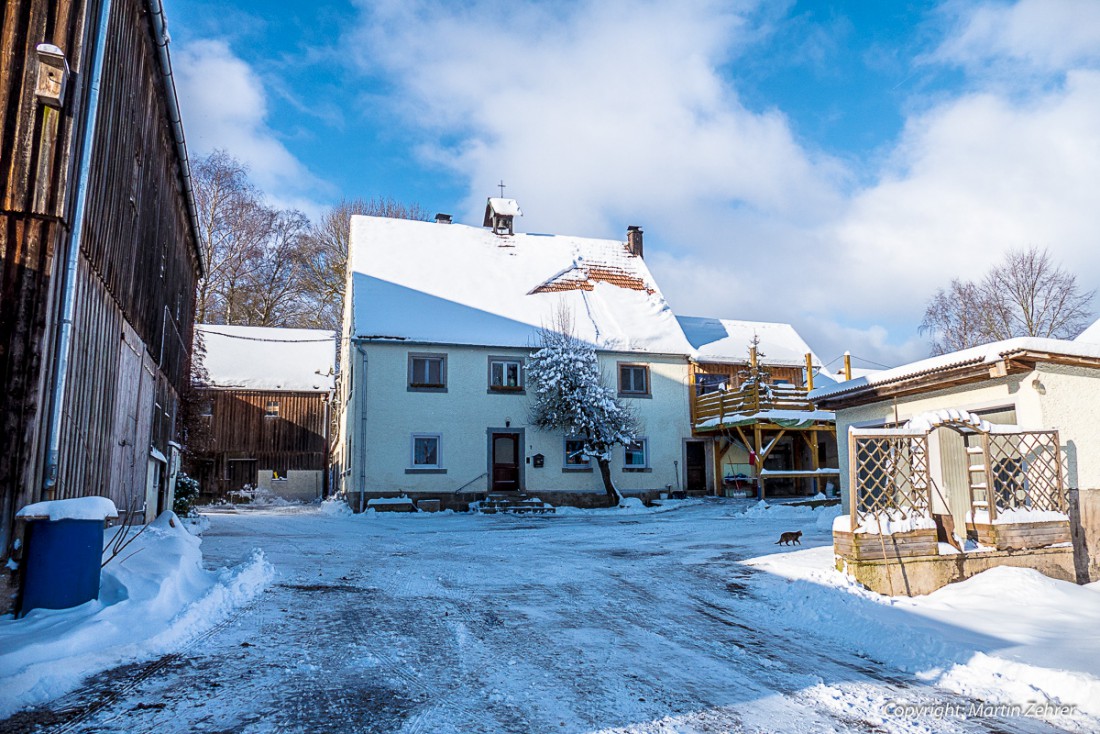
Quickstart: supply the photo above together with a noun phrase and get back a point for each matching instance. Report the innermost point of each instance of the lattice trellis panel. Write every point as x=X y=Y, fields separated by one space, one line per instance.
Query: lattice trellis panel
x=1026 y=471
x=891 y=477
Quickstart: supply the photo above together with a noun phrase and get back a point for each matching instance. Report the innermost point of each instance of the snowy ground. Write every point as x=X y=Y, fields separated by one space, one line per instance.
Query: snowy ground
x=682 y=620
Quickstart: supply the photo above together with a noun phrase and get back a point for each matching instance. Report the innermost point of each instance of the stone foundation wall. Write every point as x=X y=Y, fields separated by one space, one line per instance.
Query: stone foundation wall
x=924 y=574
x=587 y=499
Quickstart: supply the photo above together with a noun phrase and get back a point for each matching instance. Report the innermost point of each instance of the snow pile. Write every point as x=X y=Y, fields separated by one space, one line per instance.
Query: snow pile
x=821 y=517
x=884 y=524
x=155 y=597
x=1008 y=635
x=259 y=497
x=79 y=508
x=337 y=507
x=1017 y=515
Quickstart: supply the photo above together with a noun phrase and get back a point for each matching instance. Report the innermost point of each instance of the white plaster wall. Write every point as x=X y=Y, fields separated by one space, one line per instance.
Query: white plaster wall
x=300 y=484
x=380 y=444
x=1012 y=391
x=1070 y=400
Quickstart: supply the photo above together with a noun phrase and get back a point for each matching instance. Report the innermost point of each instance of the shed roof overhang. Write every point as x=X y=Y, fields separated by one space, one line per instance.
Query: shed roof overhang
x=977 y=371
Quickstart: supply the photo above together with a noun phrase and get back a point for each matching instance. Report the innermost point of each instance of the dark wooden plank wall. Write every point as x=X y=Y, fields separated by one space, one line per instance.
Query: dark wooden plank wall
x=138 y=268
x=137 y=236
x=239 y=429
x=35 y=164
x=794 y=375
x=138 y=271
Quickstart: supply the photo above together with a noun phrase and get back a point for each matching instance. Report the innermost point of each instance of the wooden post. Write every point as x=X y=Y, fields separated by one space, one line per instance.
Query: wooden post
x=991 y=500
x=809 y=372
x=759 y=461
x=815 y=461
x=1062 y=499
x=847 y=365
x=718 y=451
x=691 y=393
x=853 y=481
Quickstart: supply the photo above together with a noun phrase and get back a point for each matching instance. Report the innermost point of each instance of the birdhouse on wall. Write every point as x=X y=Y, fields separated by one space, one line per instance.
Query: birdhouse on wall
x=499 y=214
x=53 y=75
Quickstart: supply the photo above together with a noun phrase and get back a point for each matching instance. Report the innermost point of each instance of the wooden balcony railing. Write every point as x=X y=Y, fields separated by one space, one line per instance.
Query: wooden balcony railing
x=751 y=397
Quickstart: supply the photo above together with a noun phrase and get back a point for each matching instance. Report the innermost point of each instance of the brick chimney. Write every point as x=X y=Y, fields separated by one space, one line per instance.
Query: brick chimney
x=634 y=240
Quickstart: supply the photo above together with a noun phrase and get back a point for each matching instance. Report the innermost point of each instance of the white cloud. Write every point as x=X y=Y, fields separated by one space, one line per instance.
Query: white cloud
x=1042 y=35
x=225 y=105
x=602 y=114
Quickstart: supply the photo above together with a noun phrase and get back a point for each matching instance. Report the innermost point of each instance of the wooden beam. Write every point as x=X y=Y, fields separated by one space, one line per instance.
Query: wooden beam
x=771 y=447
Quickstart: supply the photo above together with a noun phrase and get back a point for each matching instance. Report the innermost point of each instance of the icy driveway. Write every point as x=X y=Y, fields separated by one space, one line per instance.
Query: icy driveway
x=643 y=622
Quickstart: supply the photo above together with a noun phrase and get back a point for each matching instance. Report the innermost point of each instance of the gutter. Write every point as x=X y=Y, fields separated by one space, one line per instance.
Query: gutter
x=160 y=35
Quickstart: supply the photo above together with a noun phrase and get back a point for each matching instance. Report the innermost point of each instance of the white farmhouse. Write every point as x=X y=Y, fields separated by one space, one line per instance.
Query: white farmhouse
x=438 y=324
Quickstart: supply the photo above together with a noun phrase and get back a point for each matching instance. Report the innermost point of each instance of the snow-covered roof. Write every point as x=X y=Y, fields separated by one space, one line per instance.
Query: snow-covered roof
x=456 y=284
x=727 y=340
x=505 y=207
x=1091 y=334
x=984 y=354
x=265 y=358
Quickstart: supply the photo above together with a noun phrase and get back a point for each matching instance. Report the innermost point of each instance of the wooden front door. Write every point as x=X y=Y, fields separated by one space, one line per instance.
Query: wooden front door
x=695 y=466
x=505 y=458
x=242 y=474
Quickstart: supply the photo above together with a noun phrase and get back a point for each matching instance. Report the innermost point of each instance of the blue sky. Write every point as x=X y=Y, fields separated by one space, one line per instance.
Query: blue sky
x=827 y=164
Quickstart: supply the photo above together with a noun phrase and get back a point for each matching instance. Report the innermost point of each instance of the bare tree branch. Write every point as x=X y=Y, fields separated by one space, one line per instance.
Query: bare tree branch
x=1024 y=295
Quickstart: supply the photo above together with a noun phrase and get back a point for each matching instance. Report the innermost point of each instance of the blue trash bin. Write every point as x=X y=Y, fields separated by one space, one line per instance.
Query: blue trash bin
x=61 y=560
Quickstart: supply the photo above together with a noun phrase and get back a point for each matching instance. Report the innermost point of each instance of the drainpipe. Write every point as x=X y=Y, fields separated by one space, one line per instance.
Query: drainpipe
x=361 y=406
x=162 y=39
x=72 y=255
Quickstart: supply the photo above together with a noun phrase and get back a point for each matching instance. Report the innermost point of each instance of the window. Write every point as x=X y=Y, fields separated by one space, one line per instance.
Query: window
x=279 y=471
x=636 y=455
x=272 y=409
x=705 y=384
x=428 y=372
x=574 y=454
x=633 y=379
x=505 y=374
x=425 y=451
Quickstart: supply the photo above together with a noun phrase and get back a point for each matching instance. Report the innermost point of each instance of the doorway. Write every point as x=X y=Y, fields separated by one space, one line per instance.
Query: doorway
x=695 y=466
x=504 y=469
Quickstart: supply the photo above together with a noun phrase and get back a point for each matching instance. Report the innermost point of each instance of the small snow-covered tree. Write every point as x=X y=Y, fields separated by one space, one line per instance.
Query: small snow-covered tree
x=570 y=395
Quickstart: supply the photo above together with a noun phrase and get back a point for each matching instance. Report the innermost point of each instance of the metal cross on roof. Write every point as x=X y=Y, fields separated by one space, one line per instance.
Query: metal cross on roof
x=501 y=185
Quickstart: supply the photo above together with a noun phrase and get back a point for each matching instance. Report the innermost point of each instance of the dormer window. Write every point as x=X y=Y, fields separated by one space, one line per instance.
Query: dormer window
x=499 y=214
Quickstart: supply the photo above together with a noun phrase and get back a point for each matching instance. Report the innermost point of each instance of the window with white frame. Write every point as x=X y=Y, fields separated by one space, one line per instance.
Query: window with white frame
x=574 y=454
x=636 y=455
x=271 y=410
x=426 y=451
x=505 y=374
x=633 y=379
x=427 y=371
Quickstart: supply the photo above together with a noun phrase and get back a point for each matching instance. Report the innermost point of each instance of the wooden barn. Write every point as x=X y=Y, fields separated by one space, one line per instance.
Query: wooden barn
x=100 y=256
x=264 y=394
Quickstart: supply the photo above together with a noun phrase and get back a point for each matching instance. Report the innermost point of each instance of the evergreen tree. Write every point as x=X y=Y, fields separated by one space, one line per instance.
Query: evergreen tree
x=570 y=395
